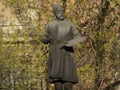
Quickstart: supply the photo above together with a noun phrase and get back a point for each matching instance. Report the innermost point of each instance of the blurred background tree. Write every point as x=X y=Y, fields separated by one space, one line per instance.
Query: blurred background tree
x=23 y=61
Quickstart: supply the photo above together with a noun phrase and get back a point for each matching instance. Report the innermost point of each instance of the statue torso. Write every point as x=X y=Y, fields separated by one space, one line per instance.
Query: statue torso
x=59 y=30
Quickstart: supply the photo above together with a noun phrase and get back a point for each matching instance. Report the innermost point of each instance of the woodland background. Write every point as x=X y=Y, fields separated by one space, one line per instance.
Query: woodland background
x=23 y=58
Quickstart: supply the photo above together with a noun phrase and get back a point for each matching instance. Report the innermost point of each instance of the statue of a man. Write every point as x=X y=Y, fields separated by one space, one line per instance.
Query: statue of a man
x=61 y=35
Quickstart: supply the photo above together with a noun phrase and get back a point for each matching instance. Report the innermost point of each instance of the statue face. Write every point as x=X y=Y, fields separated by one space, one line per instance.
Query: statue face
x=59 y=14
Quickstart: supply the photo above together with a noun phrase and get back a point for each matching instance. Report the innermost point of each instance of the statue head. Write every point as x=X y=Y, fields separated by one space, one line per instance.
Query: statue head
x=58 y=11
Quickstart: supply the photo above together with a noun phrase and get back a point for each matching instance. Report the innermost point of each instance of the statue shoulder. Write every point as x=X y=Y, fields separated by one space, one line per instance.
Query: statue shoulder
x=69 y=22
x=72 y=24
x=52 y=22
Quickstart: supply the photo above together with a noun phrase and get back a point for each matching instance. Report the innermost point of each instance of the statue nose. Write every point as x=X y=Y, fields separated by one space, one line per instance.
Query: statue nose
x=60 y=14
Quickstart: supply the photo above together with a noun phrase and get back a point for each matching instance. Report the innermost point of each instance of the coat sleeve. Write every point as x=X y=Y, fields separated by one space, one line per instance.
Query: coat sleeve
x=46 y=38
x=76 y=37
x=75 y=32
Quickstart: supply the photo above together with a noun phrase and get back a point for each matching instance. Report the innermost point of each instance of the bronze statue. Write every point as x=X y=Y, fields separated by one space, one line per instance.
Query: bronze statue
x=61 y=35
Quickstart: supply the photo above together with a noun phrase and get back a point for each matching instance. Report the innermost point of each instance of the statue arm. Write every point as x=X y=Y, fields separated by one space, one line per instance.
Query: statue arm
x=46 y=38
x=77 y=38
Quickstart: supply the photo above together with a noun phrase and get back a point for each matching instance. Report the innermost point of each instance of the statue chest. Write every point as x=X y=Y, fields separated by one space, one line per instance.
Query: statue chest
x=60 y=30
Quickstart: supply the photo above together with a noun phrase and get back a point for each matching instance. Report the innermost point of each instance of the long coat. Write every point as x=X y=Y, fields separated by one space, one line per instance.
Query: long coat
x=61 y=35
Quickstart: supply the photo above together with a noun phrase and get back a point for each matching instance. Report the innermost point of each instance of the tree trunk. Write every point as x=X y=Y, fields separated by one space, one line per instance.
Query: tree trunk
x=99 y=44
x=64 y=3
x=12 y=81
